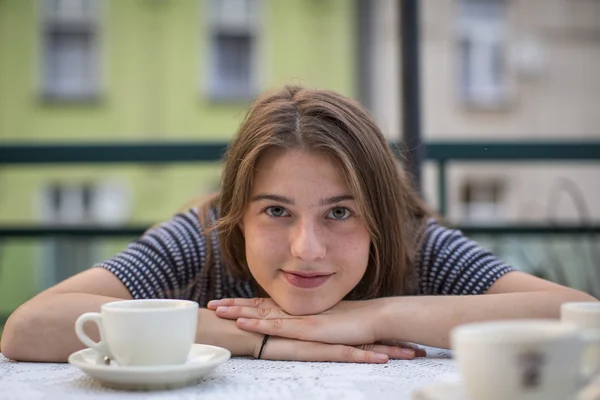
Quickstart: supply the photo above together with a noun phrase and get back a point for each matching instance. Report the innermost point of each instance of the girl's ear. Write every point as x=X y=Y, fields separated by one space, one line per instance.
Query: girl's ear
x=241 y=226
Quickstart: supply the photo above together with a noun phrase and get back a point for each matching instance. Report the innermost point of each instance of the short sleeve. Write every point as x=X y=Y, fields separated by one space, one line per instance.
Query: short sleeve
x=451 y=264
x=165 y=261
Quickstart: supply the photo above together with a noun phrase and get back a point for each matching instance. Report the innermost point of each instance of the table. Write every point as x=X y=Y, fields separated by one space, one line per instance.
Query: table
x=242 y=378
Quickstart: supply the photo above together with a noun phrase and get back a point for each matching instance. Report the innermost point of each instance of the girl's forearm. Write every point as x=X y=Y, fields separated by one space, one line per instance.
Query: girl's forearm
x=428 y=320
x=224 y=333
x=43 y=329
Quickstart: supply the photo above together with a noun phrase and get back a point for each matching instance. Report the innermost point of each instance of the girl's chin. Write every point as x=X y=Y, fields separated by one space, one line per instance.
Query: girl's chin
x=302 y=307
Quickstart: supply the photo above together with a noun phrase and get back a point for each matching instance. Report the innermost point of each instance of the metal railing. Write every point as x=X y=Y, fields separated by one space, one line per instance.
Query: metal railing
x=441 y=153
x=153 y=153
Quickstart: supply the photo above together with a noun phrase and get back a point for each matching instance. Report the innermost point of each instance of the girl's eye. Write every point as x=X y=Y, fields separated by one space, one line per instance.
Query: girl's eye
x=339 y=213
x=276 y=211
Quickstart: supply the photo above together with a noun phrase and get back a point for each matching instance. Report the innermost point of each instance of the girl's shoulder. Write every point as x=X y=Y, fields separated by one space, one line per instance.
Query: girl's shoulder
x=191 y=218
x=436 y=234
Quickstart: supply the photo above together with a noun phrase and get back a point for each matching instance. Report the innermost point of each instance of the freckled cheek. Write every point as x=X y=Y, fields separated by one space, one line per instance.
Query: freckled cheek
x=266 y=247
x=352 y=252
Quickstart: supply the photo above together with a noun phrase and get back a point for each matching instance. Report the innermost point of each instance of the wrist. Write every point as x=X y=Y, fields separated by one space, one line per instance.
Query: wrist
x=384 y=323
x=224 y=333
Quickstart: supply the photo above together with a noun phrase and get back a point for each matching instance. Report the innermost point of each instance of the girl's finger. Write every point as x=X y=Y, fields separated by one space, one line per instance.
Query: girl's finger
x=419 y=352
x=292 y=328
x=308 y=328
x=294 y=350
x=255 y=302
x=260 y=312
x=393 y=352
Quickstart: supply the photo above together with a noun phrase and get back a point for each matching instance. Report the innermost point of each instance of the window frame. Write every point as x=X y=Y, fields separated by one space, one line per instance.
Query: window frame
x=214 y=28
x=92 y=25
x=482 y=88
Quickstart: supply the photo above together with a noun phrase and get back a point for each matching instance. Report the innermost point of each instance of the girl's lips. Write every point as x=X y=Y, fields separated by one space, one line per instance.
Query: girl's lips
x=305 y=280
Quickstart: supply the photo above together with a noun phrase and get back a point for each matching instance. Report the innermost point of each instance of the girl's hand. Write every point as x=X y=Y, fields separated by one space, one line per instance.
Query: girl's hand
x=348 y=323
x=224 y=333
x=278 y=348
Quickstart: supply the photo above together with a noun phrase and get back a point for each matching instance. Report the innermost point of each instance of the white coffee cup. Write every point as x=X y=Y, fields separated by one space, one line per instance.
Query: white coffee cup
x=521 y=359
x=143 y=332
x=586 y=316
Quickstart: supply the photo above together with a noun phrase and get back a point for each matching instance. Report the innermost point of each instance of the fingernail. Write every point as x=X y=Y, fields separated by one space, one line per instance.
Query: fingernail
x=408 y=352
x=213 y=303
x=382 y=357
x=222 y=309
x=243 y=321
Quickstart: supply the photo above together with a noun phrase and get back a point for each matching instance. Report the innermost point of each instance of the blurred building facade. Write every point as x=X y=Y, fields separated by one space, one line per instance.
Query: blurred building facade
x=500 y=70
x=136 y=70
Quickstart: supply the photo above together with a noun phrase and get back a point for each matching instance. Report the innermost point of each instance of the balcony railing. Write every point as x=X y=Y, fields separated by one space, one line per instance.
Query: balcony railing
x=442 y=153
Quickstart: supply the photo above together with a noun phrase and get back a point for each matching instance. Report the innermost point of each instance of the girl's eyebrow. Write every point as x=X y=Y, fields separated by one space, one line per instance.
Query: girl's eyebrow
x=335 y=199
x=273 y=197
x=289 y=201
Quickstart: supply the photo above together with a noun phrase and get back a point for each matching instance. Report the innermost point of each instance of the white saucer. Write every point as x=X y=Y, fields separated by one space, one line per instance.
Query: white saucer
x=202 y=360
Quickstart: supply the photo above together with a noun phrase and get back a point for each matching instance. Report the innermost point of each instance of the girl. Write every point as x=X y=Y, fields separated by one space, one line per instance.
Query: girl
x=316 y=242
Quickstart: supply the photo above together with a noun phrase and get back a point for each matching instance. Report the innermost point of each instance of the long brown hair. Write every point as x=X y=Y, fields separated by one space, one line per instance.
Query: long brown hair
x=331 y=124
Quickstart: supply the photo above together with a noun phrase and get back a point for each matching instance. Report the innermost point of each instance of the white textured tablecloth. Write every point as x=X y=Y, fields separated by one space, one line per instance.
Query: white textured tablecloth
x=241 y=378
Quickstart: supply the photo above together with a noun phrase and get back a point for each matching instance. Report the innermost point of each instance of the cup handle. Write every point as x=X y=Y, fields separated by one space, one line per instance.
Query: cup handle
x=100 y=346
x=590 y=338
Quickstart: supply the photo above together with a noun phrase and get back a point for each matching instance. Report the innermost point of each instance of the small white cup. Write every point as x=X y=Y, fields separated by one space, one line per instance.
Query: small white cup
x=143 y=332
x=586 y=316
x=521 y=359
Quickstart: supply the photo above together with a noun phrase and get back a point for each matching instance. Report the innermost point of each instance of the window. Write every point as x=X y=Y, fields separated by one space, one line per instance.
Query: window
x=482 y=200
x=482 y=48
x=233 y=49
x=76 y=204
x=70 y=49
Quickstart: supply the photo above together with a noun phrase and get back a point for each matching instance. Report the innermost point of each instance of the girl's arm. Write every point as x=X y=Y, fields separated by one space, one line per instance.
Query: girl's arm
x=43 y=329
x=426 y=320
x=429 y=319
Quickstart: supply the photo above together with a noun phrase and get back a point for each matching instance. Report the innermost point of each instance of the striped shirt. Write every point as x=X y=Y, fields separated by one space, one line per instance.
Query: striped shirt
x=167 y=262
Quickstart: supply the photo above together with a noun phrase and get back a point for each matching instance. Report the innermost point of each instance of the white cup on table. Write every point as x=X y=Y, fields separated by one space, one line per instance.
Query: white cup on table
x=522 y=359
x=586 y=316
x=143 y=332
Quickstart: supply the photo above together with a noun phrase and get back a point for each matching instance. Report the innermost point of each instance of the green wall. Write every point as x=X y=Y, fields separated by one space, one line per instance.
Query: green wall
x=154 y=57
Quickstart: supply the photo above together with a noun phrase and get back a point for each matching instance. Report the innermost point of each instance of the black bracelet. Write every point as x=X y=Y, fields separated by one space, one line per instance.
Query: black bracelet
x=262 y=346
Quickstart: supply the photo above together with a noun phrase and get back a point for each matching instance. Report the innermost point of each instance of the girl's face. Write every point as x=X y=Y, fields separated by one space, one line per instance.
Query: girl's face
x=306 y=244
